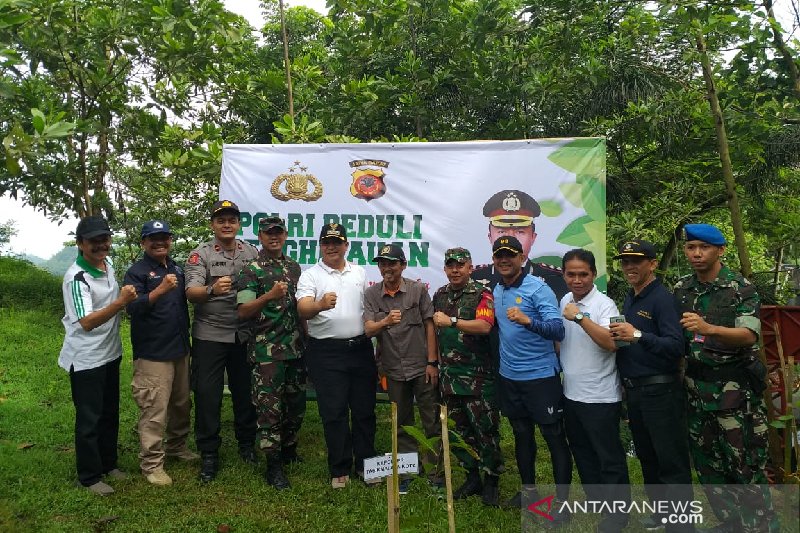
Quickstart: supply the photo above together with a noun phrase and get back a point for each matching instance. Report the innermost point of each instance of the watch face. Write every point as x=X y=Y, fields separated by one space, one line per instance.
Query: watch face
x=453 y=320
x=637 y=334
x=578 y=317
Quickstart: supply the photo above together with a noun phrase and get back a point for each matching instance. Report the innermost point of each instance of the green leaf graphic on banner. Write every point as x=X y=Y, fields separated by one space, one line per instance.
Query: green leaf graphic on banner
x=596 y=230
x=582 y=156
x=575 y=233
x=550 y=208
x=552 y=260
x=601 y=282
x=593 y=194
x=572 y=192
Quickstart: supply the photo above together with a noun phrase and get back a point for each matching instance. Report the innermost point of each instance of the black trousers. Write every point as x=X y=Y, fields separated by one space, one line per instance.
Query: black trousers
x=593 y=435
x=657 y=417
x=210 y=360
x=95 y=395
x=345 y=379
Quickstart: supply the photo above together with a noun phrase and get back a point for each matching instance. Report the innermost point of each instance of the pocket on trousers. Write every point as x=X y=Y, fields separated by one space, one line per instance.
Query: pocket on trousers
x=144 y=392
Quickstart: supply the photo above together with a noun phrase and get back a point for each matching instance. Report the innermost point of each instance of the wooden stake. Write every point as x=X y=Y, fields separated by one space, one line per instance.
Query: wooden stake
x=393 y=483
x=448 y=478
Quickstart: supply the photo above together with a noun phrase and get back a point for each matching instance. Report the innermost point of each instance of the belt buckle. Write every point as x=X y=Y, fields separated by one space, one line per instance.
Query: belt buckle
x=351 y=342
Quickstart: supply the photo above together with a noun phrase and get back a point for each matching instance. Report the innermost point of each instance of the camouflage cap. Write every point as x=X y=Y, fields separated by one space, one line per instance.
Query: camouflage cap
x=267 y=223
x=459 y=254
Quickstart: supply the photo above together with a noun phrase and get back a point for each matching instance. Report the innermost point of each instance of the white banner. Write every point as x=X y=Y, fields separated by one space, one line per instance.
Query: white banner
x=425 y=197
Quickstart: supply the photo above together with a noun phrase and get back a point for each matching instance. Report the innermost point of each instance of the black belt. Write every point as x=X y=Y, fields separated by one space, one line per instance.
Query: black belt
x=342 y=343
x=649 y=380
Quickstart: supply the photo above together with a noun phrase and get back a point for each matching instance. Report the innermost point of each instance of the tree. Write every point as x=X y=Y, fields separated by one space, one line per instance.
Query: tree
x=7 y=231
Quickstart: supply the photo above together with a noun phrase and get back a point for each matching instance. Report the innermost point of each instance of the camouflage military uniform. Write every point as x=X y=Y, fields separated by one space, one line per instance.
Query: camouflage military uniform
x=727 y=418
x=467 y=379
x=275 y=353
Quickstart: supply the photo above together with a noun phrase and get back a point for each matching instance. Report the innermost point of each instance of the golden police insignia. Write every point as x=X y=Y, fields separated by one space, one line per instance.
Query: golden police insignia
x=296 y=184
x=367 y=179
x=386 y=249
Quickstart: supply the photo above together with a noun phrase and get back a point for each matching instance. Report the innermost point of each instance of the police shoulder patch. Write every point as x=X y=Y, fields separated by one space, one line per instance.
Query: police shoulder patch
x=194 y=258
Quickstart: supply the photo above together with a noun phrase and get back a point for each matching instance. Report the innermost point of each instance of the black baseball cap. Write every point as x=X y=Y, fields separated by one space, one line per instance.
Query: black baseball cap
x=91 y=227
x=508 y=243
x=151 y=227
x=267 y=223
x=333 y=230
x=391 y=252
x=224 y=205
x=636 y=249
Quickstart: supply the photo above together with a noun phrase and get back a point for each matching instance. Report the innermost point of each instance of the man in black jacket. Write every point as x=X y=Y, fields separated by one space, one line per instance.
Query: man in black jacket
x=160 y=338
x=650 y=349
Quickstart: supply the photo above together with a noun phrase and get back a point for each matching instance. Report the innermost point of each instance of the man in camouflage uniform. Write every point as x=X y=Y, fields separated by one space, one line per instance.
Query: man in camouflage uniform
x=725 y=380
x=464 y=316
x=266 y=291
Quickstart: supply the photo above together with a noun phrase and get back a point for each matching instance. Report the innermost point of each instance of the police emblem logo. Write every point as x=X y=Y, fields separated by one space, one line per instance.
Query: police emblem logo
x=386 y=249
x=226 y=203
x=518 y=300
x=368 y=178
x=194 y=259
x=332 y=225
x=511 y=202
x=503 y=241
x=158 y=225
x=295 y=185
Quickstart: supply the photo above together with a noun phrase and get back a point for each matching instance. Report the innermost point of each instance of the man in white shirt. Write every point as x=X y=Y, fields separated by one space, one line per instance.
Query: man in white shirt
x=592 y=386
x=92 y=352
x=340 y=358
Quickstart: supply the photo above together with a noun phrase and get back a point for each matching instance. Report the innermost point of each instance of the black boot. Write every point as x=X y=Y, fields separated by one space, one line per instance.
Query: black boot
x=248 y=455
x=472 y=485
x=209 y=466
x=491 y=492
x=274 y=474
x=289 y=455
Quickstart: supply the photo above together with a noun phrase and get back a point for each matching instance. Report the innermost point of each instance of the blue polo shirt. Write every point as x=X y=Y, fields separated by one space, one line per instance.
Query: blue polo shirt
x=655 y=313
x=159 y=332
x=528 y=353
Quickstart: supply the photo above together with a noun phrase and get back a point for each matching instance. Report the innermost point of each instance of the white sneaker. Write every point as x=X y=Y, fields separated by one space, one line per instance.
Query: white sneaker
x=158 y=477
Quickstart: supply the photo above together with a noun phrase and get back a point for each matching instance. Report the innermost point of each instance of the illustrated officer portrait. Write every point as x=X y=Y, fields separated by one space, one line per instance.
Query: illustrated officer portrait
x=513 y=213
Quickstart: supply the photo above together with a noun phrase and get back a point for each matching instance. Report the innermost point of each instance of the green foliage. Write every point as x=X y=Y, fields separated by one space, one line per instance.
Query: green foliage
x=7 y=231
x=24 y=286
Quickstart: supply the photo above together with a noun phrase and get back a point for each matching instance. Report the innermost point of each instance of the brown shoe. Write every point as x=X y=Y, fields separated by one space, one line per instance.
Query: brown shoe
x=158 y=477
x=340 y=482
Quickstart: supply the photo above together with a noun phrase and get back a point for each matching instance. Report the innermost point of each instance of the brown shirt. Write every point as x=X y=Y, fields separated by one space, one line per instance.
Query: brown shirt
x=403 y=347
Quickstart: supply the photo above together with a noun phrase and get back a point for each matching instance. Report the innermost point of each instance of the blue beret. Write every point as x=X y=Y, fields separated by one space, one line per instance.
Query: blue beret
x=704 y=232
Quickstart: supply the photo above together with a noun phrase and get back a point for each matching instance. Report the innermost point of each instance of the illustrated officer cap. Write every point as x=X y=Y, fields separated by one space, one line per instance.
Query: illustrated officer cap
x=704 y=232
x=511 y=209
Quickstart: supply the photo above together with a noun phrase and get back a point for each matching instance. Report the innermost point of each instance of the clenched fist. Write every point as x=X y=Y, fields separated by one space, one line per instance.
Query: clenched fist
x=222 y=285
x=169 y=282
x=517 y=316
x=278 y=291
x=392 y=318
x=328 y=301
x=127 y=294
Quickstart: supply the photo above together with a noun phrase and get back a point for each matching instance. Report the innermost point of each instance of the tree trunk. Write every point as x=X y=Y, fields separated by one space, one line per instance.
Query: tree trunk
x=287 y=64
x=776 y=277
x=724 y=157
x=780 y=45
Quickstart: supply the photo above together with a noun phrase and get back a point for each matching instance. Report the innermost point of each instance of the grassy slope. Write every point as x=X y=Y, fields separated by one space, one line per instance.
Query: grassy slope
x=37 y=458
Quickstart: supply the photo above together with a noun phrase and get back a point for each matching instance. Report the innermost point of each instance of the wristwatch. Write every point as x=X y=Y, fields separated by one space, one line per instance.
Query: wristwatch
x=434 y=364
x=578 y=318
x=453 y=321
x=209 y=290
x=637 y=335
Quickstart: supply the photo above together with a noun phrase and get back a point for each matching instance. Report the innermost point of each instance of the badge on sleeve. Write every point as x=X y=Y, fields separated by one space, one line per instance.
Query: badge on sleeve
x=194 y=259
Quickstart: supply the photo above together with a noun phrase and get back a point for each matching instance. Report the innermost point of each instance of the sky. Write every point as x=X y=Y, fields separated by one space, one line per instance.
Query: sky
x=36 y=235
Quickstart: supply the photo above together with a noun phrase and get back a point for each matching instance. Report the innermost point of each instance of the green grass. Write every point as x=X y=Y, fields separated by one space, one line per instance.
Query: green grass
x=37 y=464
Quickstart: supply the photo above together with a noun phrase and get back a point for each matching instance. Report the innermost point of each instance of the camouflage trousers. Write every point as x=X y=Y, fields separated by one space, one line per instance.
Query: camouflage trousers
x=279 y=395
x=477 y=421
x=729 y=452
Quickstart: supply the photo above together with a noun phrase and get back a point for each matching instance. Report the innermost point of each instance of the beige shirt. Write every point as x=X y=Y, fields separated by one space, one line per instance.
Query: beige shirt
x=403 y=347
x=216 y=319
